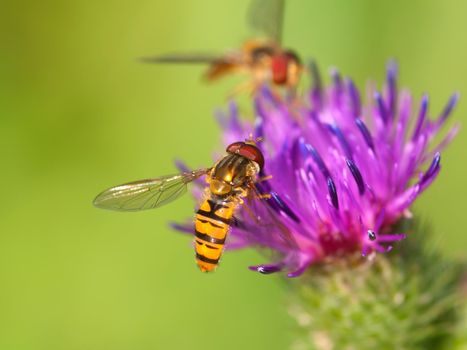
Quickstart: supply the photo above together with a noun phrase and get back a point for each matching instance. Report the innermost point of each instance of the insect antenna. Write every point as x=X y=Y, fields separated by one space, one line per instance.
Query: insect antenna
x=253 y=141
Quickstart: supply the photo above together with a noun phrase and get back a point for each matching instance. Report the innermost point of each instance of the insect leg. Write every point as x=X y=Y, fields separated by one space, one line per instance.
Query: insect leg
x=264 y=196
x=264 y=178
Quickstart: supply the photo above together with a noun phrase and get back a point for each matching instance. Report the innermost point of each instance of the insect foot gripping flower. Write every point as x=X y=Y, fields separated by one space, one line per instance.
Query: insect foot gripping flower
x=339 y=173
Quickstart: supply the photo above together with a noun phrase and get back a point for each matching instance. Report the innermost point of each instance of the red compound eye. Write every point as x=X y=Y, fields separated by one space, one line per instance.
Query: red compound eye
x=248 y=151
x=234 y=147
x=279 y=68
x=252 y=153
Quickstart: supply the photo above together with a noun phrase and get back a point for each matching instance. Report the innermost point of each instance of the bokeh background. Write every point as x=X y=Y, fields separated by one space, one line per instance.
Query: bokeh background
x=78 y=113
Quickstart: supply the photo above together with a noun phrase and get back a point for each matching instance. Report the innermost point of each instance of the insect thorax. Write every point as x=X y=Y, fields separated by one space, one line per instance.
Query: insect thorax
x=231 y=174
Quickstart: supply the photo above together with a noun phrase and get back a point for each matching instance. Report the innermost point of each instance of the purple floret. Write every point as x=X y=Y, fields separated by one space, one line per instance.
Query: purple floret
x=343 y=172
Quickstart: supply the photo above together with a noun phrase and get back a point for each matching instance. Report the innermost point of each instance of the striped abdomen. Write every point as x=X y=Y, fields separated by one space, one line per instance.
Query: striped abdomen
x=212 y=223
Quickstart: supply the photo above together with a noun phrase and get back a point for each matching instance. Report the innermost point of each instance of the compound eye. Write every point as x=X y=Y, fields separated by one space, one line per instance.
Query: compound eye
x=252 y=153
x=234 y=147
x=279 y=69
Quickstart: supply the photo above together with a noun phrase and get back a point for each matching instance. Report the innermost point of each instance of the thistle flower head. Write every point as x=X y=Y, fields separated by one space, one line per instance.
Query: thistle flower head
x=341 y=172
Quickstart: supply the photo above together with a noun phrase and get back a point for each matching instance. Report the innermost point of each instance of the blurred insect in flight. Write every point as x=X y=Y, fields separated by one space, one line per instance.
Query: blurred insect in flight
x=263 y=60
x=229 y=181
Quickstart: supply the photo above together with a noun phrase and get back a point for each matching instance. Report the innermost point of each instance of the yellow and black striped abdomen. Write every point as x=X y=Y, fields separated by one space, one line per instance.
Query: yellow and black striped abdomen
x=212 y=223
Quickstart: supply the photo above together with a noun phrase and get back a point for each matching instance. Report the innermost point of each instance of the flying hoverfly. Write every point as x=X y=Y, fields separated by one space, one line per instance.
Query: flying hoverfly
x=229 y=181
x=263 y=60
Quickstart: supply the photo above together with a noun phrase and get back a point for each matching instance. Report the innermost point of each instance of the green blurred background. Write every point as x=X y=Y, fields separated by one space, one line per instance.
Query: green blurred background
x=78 y=113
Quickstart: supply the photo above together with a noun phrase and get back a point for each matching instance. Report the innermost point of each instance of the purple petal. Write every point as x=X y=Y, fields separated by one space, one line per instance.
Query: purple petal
x=391 y=237
x=356 y=175
x=282 y=206
x=342 y=140
x=266 y=269
x=365 y=133
x=310 y=150
x=316 y=89
x=259 y=129
x=298 y=272
x=381 y=107
x=185 y=228
x=181 y=166
x=432 y=170
x=421 y=117
x=392 y=89
x=333 y=192
x=354 y=98
x=449 y=107
x=447 y=139
x=268 y=95
x=337 y=85
x=380 y=219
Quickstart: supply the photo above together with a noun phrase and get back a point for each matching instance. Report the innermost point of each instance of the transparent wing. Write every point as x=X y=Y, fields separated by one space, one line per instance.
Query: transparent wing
x=266 y=17
x=182 y=58
x=146 y=194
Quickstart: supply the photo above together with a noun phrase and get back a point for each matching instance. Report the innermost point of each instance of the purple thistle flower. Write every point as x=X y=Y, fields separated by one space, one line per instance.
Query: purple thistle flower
x=343 y=172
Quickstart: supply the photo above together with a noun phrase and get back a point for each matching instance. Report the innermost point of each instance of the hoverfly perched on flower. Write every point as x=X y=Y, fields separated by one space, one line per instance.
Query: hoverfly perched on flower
x=263 y=60
x=229 y=181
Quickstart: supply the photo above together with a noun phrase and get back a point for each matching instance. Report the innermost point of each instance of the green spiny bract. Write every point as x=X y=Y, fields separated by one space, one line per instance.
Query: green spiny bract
x=408 y=299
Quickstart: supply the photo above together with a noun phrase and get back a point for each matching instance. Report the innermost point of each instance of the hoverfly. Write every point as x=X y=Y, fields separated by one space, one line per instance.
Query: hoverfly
x=263 y=60
x=229 y=181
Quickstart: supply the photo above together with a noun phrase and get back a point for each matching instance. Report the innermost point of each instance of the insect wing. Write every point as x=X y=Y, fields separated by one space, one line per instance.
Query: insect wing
x=146 y=194
x=182 y=58
x=266 y=16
